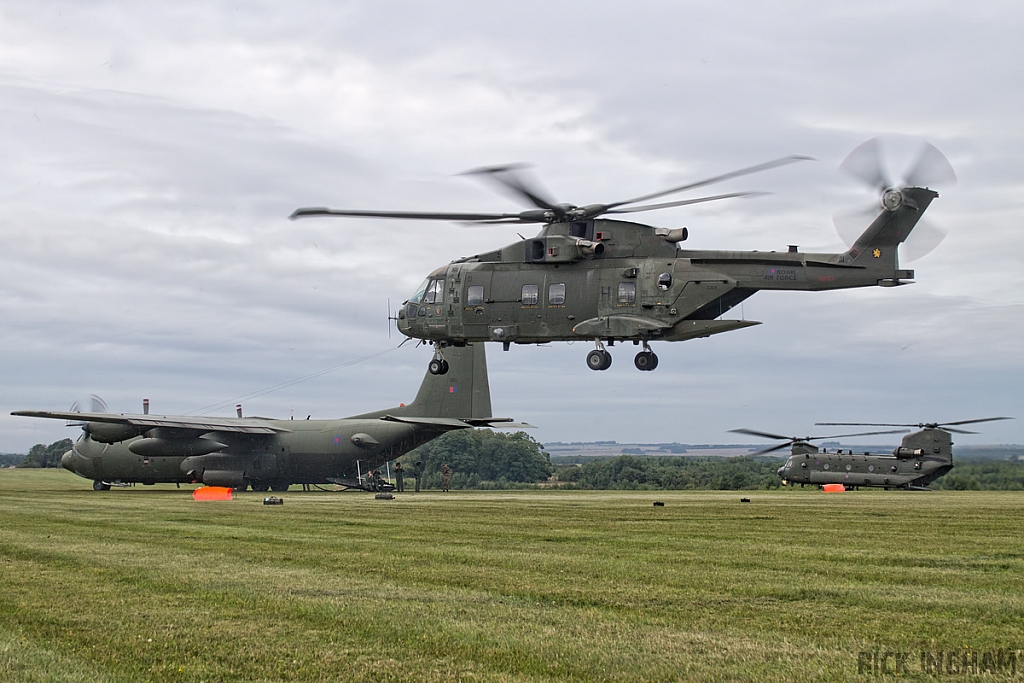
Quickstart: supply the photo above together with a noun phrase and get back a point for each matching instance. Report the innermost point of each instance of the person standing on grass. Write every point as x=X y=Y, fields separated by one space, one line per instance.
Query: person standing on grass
x=399 y=478
x=446 y=476
x=419 y=474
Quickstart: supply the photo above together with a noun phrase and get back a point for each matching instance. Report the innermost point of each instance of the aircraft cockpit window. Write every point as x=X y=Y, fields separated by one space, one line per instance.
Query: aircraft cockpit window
x=556 y=294
x=627 y=292
x=418 y=296
x=475 y=295
x=530 y=295
x=665 y=281
x=435 y=292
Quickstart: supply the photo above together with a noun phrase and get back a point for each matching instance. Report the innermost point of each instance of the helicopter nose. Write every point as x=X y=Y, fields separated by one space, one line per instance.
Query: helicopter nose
x=67 y=461
x=782 y=470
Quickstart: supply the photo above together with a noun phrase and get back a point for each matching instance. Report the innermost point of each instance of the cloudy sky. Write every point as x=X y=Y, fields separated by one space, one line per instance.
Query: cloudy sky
x=150 y=154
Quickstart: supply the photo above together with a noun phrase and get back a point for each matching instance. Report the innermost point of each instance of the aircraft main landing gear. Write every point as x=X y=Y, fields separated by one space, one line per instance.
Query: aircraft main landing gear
x=438 y=365
x=599 y=359
x=100 y=486
x=646 y=360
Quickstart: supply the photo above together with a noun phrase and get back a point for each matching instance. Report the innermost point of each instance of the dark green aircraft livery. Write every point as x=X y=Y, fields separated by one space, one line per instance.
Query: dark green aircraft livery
x=267 y=453
x=923 y=457
x=585 y=277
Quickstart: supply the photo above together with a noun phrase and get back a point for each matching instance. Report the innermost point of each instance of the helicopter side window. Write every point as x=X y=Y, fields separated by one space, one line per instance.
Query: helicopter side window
x=556 y=294
x=435 y=292
x=665 y=281
x=531 y=293
x=475 y=295
x=627 y=292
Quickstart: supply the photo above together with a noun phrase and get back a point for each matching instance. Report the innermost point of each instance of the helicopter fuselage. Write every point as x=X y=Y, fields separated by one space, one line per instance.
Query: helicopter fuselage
x=610 y=280
x=922 y=458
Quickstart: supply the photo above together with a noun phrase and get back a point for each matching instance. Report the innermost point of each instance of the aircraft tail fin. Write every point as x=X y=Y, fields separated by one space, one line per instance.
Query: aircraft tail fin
x=461 y=393
x=877 y=247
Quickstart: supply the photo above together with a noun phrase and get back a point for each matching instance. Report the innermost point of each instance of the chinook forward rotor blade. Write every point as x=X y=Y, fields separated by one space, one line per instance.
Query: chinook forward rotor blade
x=765 y=435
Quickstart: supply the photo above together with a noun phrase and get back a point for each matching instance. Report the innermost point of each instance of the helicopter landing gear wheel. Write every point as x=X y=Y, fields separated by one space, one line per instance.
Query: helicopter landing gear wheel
x=100 y=486
x=646 y=361
x=599 y=359
x=438 y=366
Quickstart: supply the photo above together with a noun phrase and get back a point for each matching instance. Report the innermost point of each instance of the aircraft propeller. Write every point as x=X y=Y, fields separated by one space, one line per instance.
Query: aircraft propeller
x=865 y=163
x=96 y=405
x=511 y=179
x=946 y=426
x=790 y=440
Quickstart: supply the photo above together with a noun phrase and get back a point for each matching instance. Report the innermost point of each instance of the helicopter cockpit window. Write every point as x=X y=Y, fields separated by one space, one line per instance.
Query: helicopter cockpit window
x=418 y=296
x=435 y=292
x=627 y=292
x=665 y=281
x=556 y=294
x=530 y=295
x=475 y=295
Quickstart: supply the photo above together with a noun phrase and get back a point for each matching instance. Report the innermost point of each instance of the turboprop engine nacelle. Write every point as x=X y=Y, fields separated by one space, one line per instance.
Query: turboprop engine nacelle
x=156 y=448
x=903 y=452
x=107 y=432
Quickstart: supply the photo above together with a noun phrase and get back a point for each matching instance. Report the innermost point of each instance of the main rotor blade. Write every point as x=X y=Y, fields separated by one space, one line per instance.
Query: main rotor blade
x=863 y=424
x=865 y=162
x=840 y=436
x=716 y=179
x=954 y=429
x=507 y=178
x=774 y=448
x=686 y=202
x=983 y=419
x=932 y=167
x=424 y=215
x=922 y=241
x=766 y=435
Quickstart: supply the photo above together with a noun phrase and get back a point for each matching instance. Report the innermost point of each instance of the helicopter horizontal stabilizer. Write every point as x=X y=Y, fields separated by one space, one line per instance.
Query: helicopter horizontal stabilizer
x=695 y=329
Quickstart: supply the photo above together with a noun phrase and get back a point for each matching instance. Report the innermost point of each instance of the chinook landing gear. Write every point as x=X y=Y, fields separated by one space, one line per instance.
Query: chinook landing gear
x=438 y=365
x=599 y=359
x=99 y=485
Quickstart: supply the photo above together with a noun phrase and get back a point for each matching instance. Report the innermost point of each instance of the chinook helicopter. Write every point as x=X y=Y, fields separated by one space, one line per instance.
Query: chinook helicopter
x=273 y=454
x=586 y=276
x=921 y=458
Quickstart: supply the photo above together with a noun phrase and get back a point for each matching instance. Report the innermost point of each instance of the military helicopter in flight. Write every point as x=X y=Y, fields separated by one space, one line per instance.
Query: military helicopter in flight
x=587 y=276
x=921 y=458
x=267 y=453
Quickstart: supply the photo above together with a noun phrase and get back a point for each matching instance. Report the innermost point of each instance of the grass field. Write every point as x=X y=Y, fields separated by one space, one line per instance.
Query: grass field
x=147 y=584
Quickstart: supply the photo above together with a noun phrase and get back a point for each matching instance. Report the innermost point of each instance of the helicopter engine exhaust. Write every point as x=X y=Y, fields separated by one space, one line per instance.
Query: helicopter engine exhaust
x=588 y=248
x=903 y=452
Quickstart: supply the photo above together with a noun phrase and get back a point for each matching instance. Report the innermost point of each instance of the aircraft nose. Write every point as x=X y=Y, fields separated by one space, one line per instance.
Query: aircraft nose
x=781 y=471
x=67 y=461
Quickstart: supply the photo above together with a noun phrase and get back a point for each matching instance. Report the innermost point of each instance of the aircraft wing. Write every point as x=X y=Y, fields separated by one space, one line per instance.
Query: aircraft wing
x=456 y=423
x=205 y=424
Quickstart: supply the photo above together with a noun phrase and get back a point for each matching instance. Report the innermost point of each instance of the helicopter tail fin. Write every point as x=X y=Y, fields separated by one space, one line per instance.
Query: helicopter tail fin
x=877 y=247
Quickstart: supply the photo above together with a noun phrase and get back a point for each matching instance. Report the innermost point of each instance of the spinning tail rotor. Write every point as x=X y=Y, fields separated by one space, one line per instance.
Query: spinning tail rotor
x=930 y=168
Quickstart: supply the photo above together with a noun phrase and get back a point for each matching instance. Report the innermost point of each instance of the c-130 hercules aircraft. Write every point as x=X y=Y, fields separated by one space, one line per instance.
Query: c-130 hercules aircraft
x=589 y=277
x=267 y=453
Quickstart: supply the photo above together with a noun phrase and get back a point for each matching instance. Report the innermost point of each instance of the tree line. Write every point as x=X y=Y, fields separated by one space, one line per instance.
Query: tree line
x=39 y=455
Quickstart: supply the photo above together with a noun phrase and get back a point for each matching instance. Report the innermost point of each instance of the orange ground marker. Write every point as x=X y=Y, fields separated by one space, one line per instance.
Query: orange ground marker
x=834 y=488
x=212 y=493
